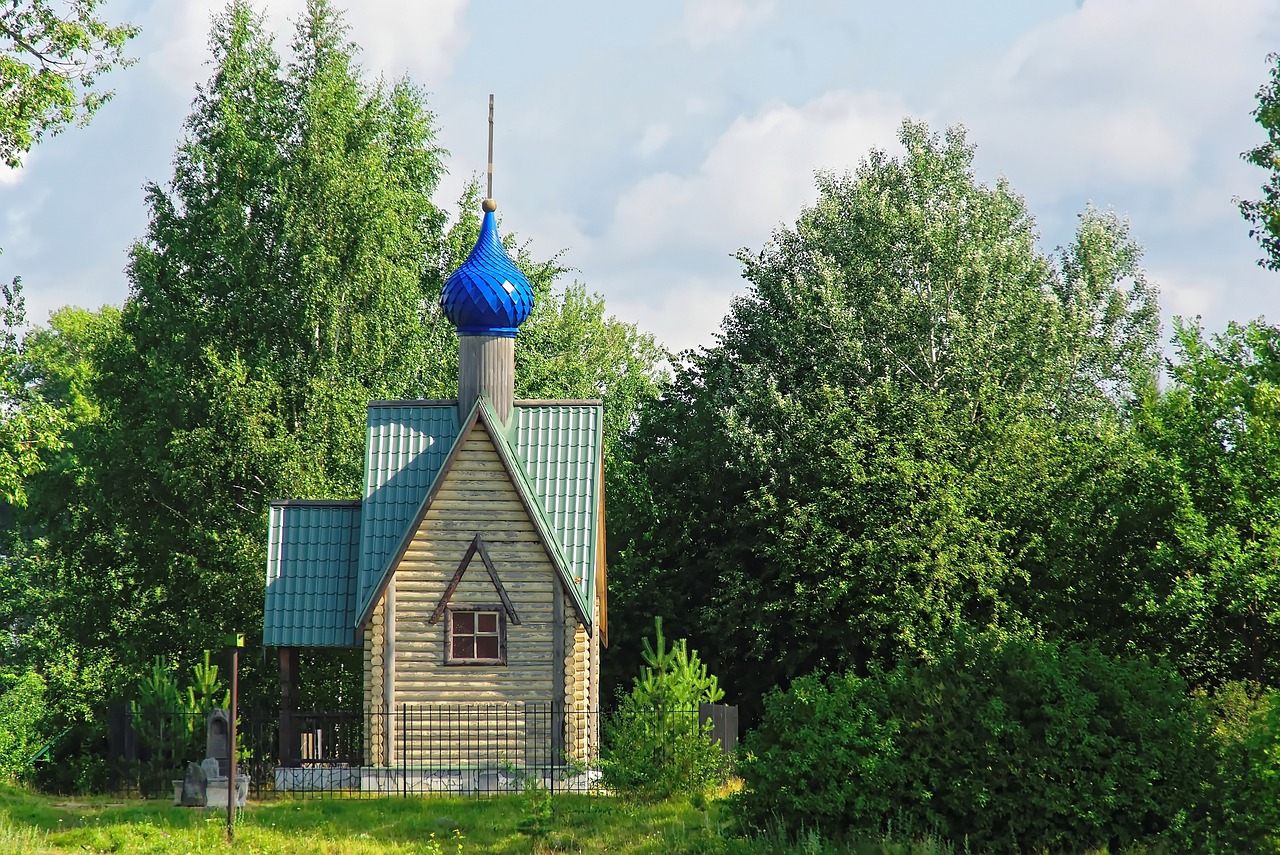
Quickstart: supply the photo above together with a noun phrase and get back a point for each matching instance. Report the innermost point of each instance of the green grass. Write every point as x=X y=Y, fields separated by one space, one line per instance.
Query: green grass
x=32 y=824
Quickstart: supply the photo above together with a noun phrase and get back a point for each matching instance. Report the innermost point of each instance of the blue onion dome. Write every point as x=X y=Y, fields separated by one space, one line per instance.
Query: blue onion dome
x=487 y=295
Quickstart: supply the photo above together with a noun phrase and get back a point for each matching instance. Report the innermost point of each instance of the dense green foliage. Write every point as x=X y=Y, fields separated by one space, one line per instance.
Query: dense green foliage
x=657 y=742
x=917 y=428
x=859 y=466
x=1014 y=746
x=22 y=723
x=1243 y=794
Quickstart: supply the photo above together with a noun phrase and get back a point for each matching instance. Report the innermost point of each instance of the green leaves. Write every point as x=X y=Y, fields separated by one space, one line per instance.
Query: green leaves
x=657 y=742
x=1264 y=214
x=51 y=54
x=289 y=274
x=1012 y=745
x=1216 y=428
x=863 y=464
x=23 y=725
x=673 y=677
x=31 y=428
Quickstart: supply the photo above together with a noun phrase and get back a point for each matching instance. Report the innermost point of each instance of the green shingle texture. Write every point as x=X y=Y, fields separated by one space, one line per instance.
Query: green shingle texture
x=559 y=447
x=407 y=443
x=312 y=549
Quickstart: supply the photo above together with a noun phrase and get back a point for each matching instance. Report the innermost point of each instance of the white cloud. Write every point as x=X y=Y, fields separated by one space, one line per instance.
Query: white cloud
x=761 y=168
x=423 y=39
x=1190 y=295
x=1123 y=92
x=708 y=21
x=663 y=257
x=655 y=136
x=687 y=312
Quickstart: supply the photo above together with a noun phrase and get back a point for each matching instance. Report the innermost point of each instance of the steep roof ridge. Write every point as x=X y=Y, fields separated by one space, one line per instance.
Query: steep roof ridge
x=537 y=511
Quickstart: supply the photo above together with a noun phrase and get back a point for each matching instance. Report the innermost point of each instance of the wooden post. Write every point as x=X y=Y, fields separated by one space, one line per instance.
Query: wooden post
x=235 y=642
x=290 y=736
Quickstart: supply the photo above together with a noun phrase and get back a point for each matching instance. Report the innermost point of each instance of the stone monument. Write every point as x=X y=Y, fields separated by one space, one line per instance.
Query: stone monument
x=205 y=783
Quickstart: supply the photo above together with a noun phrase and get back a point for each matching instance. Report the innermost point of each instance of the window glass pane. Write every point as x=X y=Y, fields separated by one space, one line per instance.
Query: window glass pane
x=486 y=622
x=464 y=647
x=464 y=622
x=487 y=647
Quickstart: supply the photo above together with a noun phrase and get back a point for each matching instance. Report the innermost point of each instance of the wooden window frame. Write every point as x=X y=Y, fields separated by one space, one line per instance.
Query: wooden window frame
x=495 y=608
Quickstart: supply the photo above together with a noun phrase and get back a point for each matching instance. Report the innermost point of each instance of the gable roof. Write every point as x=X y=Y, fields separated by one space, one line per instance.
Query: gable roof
x=312 y=551
x=577 y=585
x=551 y=450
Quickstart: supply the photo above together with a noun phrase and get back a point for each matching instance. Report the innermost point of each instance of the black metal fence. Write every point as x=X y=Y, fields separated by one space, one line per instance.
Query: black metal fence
x=472 y=749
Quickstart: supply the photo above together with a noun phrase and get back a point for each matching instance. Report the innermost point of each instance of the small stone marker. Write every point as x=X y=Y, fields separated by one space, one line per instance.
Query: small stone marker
x=218 y=740
x=195 y=786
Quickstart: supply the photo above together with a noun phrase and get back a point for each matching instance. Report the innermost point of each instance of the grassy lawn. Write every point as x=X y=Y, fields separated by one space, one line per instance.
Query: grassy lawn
x=33 y=825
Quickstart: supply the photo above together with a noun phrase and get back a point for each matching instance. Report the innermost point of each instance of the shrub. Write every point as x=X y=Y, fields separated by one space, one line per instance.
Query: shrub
x=22 y=714
x=1241 y=801
x=1013 y=745
x=657 y=743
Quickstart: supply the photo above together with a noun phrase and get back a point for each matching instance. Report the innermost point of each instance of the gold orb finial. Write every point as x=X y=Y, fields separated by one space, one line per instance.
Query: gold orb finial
x=489 y=206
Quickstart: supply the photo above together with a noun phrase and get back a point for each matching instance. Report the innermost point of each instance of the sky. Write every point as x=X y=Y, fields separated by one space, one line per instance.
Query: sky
x=649 y=142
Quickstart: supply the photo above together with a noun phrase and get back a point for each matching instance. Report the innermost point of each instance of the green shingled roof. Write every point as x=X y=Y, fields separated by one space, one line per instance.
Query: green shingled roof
x=407 y=443
x=554 y=450
x=312 y=548
x=559 y=447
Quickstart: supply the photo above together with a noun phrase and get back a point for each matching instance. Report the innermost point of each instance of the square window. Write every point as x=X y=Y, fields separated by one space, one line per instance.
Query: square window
x=475 y=635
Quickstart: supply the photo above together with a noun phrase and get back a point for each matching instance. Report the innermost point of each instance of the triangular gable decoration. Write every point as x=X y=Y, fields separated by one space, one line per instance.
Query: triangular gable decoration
x=477 y=547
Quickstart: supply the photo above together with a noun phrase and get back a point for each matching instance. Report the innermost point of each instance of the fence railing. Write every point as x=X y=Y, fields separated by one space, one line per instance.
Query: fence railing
x=471 y=749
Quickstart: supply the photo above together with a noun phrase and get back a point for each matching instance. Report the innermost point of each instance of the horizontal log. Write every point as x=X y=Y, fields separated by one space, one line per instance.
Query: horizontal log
x=529 y=593
x=483 y=449
x=430 y=658
x=478 y=510
x=477 y=522
x=476 y=584
x=494 y=534
x=423 y=567
x=495 y=501
x=453 y=500
x=472 y=695
x=472 y=462
x=429 y=556
x=465 y=483
x=528 y=578
x=472 y=680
